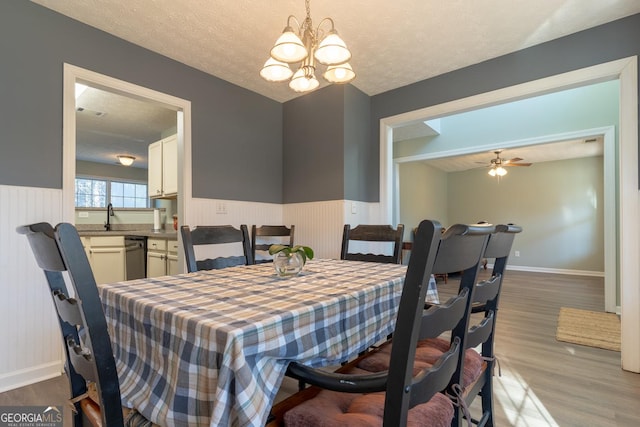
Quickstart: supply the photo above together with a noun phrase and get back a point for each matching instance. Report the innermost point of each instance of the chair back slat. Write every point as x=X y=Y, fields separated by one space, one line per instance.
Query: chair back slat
x=372 y=233
x=459 y=247
x=43 y=246
x=264 y=236
x=215 y=235
x=220 y=262
x=68 y=308
x=445 y=316
x=481 y=332
x=437 y=378
x=487 y=290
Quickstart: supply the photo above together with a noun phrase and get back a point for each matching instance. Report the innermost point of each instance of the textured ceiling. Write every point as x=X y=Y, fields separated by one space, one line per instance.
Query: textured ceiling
x=108 y=124
x=393 y=43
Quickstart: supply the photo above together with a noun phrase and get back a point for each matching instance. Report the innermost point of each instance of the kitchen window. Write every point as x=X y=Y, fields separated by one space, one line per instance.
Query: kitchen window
x=97 y=193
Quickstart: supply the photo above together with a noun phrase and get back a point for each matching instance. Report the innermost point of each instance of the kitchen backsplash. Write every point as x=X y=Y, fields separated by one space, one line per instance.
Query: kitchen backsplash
x=122 y=219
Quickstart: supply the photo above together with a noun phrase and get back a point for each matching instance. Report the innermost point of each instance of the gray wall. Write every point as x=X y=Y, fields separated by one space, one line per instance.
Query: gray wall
x=314 y=146
x=328 y=153
x=360 y=155
x=619 y=39
x=240 y=150
x=236 y=134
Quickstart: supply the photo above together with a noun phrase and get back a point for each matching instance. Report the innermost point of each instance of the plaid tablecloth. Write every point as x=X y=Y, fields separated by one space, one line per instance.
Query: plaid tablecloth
x=211 y=348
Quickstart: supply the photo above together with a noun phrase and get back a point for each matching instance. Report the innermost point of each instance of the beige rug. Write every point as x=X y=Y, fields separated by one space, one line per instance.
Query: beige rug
x=591 y=328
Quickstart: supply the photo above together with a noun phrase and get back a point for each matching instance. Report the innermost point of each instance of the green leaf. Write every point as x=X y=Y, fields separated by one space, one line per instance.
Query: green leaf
x=274 y=249
x=305 y=251
x=308 y=251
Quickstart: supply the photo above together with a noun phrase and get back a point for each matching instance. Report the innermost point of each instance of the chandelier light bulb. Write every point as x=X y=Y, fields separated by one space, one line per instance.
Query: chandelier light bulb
x=332 y=50
x=275 y=71
x=302 y=83
x=289 y=48
x=342 y=73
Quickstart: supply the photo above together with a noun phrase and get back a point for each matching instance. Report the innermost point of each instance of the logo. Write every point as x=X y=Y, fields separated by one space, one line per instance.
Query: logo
x=30 y=416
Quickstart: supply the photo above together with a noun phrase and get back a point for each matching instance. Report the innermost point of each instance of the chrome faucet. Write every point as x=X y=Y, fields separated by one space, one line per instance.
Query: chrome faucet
x=107 y=225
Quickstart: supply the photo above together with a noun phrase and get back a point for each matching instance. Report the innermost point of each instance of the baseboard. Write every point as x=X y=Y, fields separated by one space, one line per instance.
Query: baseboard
x=30 y=376
x=555 y=271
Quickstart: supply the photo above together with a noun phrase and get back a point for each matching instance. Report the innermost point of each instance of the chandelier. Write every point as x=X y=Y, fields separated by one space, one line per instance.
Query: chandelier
x=305 y=46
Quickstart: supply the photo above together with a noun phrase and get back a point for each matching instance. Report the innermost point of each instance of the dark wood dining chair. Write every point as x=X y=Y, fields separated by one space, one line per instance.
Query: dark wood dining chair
x=90 y=365
x=211 y=235
x=498 y=248
x=410 y=392
x=475 y=374
x=264 y=236
x=382 y=234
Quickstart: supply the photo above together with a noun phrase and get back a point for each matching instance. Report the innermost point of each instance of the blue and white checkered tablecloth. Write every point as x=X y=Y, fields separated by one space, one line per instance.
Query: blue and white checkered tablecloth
x=211 y=348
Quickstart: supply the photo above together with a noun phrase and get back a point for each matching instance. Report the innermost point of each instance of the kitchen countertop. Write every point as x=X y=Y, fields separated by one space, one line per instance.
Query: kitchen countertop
x=164 y=234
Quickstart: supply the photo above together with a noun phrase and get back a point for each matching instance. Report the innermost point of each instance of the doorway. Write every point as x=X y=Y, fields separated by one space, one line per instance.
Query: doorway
x=627 y=168
x=73 y=75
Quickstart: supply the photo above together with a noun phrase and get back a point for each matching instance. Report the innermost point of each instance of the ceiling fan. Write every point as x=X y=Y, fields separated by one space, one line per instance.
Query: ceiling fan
x=497 y=165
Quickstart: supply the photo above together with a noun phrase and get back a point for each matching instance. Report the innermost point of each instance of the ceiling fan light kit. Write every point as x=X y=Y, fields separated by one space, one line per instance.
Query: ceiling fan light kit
x=497 y=164
x=306 y=46
x=497 y=171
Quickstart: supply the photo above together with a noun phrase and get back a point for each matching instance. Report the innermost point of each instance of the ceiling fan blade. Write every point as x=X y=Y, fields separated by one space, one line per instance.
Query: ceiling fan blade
x=517 y=164
x=515 y=159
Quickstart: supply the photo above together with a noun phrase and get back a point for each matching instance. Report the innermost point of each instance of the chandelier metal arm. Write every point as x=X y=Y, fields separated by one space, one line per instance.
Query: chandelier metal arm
x=298 y=26
x=320 y=33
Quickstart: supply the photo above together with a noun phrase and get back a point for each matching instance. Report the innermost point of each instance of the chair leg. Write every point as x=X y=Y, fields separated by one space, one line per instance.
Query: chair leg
x=487 y=399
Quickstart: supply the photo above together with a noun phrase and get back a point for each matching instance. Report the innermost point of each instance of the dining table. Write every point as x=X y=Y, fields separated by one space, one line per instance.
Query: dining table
x=211 y=348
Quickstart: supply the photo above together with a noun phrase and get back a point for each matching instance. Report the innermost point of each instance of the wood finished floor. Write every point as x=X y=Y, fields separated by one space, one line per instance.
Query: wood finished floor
x=544 y=382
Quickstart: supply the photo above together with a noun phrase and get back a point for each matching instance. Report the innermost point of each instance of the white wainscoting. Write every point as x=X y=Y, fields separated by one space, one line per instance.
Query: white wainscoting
x=31 y=347
x=230 y=212
x=319 y=224
x=233 y=212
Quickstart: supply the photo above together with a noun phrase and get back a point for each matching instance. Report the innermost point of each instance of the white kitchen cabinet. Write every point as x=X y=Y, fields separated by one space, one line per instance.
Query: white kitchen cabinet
x=107 y=257
x=172 y=257
x=162 y=257
x=163 y=168
x=170 y=166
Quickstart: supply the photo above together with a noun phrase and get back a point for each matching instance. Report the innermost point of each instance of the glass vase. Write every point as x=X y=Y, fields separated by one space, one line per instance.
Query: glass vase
x=287 y=265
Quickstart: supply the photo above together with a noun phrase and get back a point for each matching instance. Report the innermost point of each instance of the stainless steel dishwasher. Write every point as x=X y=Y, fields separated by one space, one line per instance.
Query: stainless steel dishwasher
x=136 y=259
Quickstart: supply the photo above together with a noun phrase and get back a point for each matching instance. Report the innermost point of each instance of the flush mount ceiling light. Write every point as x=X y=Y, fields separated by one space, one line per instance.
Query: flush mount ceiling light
x=305 y=46
x=126 y=160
